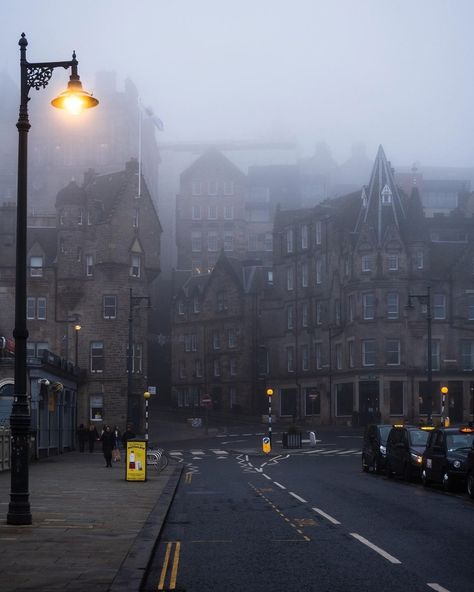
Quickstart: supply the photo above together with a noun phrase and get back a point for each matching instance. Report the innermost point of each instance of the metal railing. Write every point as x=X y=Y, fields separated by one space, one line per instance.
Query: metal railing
x=156 y=458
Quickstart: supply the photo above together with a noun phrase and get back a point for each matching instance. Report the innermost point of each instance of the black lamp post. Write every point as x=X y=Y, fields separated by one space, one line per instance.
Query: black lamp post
x=77 y=328
x=32 y=75
x=426 y=299
x=132 y=402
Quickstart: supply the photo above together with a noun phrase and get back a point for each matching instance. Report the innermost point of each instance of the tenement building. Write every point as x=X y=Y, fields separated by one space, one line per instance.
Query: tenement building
x=366 y=286
x=89 y=273
x=216 y=338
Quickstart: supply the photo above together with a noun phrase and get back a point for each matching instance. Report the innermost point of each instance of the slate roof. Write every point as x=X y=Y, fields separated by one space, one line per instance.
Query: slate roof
x=382 y=205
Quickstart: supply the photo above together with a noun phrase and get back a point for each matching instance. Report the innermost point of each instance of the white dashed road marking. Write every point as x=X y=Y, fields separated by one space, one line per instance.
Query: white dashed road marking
x=279 y=485
x=327 y=516
x=300 y=499
x=437 y=587
x=378 y=550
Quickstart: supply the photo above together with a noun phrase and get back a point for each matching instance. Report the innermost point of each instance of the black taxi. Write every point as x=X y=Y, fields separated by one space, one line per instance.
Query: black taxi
x=444 y=460
x=470 y=472
x=374 y=447
x=405 y=447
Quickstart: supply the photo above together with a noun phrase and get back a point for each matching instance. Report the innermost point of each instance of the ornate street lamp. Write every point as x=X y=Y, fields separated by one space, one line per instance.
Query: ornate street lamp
x=74 y=99
x=426 y=299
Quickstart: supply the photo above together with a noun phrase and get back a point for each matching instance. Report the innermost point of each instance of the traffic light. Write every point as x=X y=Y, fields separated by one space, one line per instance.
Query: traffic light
x=444 y=390
x=269 y=392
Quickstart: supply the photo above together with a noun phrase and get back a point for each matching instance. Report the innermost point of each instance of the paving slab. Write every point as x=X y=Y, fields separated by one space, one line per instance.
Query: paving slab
x=92 y=530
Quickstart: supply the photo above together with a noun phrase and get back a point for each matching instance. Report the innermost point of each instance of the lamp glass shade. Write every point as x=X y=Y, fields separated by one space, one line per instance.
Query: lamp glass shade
x=74 y=99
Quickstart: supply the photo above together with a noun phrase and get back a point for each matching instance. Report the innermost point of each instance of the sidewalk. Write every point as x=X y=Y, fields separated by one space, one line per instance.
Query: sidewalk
x=91 y=530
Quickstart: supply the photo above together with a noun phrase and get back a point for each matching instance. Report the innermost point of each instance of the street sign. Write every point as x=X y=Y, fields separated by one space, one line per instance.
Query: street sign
x=266 y=445
x=313 y=397
x=206 y=400
x=152 y=390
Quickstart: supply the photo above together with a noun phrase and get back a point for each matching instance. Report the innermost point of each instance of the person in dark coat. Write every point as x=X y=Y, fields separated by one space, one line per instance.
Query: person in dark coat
x=129 y=434
x=117 y=441
x=82 y=436
x=93 y=437
x=108 y=443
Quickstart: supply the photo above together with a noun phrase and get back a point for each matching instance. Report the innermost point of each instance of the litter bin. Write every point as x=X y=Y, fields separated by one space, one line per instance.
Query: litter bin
x=292 y=440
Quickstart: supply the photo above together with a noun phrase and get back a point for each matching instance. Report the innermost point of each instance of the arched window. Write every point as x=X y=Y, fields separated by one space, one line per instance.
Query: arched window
x=6 y=400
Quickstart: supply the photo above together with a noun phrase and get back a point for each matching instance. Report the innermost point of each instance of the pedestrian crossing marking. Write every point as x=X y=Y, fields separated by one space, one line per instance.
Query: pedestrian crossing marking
x=219 y=454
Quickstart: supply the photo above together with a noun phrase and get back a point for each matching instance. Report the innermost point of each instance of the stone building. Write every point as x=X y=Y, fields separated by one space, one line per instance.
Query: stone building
x=210 y=214
x=216 y=337
x=346 y=347
x=90 y=271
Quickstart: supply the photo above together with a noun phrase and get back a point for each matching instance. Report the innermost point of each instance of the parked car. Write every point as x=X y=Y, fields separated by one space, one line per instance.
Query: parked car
x=405 y=447
x=470 y=472
x=444 y=460
x=374 y=451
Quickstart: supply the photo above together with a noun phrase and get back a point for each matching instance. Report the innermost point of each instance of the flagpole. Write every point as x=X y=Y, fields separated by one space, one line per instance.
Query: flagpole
x=139 y=148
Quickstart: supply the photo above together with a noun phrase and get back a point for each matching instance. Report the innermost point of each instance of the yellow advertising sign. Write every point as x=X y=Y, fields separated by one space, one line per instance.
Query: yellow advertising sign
x=136 y=460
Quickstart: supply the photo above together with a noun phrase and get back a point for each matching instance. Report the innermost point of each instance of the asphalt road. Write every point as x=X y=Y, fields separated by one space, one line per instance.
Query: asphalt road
x=311 y=521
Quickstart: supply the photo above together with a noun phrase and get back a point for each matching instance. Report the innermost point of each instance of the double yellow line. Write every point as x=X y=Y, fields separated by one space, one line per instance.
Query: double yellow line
x=174 y=565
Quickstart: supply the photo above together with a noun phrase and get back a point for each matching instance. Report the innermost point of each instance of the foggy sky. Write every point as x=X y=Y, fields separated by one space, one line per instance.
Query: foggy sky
x=397 y=73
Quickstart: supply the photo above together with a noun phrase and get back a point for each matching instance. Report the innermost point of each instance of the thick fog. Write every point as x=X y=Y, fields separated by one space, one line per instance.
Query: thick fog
x=341 y=71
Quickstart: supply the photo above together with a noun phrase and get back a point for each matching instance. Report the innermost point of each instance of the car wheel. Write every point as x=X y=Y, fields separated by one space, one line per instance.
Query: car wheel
x=470 y=485
x=424 y=478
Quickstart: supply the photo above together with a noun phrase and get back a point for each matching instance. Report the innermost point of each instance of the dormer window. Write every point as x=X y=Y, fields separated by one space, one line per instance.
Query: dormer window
x=36 y=266
x=135 y=265
x=196 y=304
x=386 y=195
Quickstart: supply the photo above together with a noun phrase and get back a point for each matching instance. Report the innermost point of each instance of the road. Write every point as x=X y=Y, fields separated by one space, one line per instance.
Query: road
x=307 y=521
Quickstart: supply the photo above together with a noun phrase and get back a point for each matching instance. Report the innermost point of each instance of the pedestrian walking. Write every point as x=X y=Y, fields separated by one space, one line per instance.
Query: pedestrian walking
x=82 y=436
x=93 y=437
x=129 y=434
x=116 y=449
x=108 y=442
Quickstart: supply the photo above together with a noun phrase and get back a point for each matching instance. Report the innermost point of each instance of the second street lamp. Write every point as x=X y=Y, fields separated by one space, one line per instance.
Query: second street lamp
x=77 y=328
x=37 y=76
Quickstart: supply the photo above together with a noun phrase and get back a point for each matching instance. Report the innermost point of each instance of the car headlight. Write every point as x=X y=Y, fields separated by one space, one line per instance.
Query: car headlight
x=383 y=450
x=416 y=458
x=457 y=464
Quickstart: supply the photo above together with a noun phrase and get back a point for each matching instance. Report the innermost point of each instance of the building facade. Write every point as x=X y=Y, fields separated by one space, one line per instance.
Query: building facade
x=362 y=289
x=216 y=338
x=89 y=273
x=351 y=349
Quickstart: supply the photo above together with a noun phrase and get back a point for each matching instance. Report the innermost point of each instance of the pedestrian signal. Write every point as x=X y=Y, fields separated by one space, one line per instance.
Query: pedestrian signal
x=266 y=445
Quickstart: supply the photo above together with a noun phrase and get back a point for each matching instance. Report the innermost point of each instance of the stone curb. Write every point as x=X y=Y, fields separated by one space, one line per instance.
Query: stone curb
x=134 y=568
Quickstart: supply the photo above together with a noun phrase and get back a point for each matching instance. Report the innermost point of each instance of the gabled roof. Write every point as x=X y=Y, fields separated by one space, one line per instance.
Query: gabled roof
x=212 y=158
x=381 y=204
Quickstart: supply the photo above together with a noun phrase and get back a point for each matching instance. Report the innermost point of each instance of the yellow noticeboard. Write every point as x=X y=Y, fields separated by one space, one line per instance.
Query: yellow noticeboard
x=135 y=467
